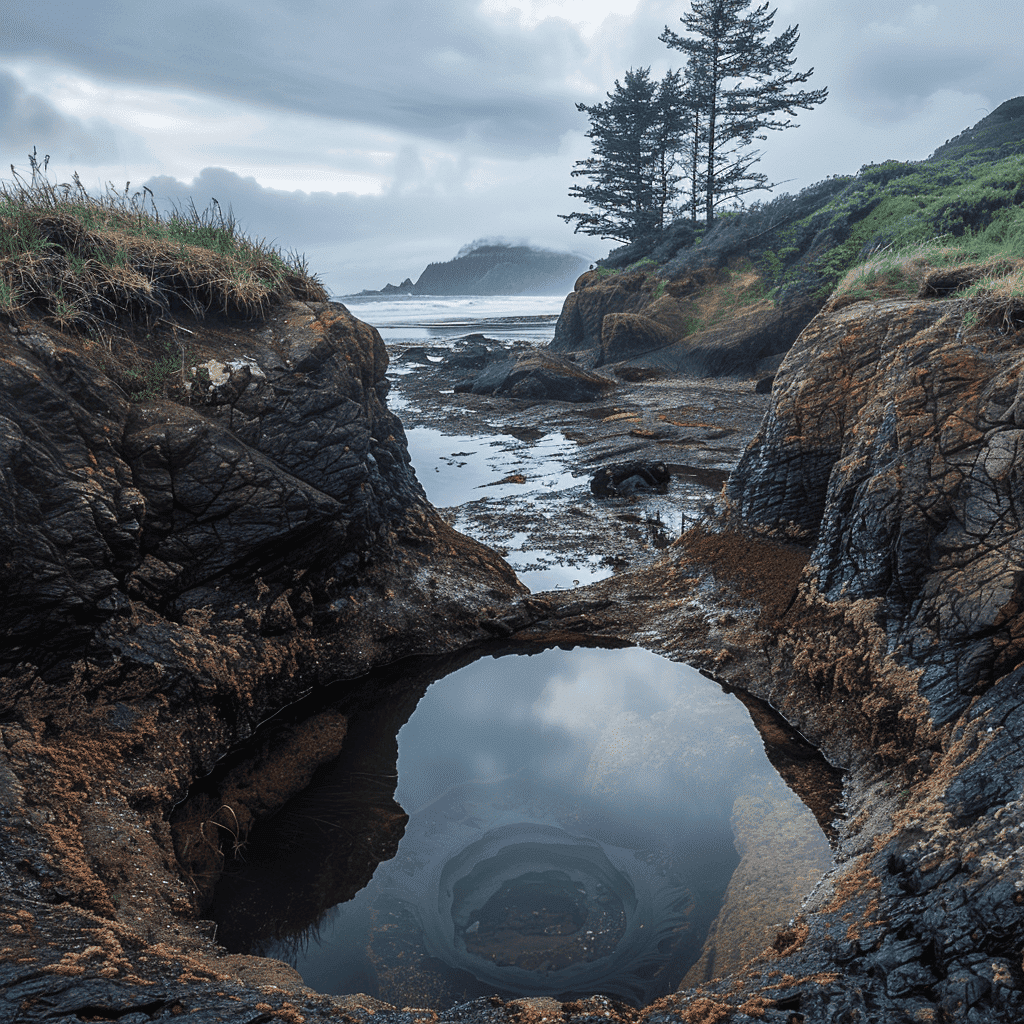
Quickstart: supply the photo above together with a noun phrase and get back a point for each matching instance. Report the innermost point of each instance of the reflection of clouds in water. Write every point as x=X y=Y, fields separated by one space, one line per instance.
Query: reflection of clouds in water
x=661 y=735
x=617 y=751
x=484 y=766
x=626 y=726
x=480 y=724
x=597 y=686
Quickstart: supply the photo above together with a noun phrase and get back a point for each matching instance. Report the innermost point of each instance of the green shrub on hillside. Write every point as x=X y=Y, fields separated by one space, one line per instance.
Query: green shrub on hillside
x=806 y=243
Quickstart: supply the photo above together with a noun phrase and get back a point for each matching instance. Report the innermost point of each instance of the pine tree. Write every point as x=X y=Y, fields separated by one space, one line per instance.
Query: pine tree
x=668 y=133
x=636 y=134
x=739 y=85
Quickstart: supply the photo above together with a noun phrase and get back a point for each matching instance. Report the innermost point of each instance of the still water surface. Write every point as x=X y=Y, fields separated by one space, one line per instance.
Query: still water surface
x=570 y=832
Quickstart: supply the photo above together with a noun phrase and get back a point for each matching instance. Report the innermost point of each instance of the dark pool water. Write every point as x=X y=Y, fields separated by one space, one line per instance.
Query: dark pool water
x=570 y=832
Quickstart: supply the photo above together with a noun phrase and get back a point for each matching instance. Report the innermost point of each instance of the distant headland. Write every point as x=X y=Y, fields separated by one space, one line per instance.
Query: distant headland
x=495 y=268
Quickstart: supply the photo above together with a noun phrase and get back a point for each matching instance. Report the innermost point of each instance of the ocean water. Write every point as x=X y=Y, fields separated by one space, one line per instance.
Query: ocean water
x=443 y=319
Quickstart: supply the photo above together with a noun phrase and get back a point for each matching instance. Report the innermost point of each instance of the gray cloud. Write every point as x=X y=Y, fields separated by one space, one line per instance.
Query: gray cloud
x=885 y=60
x=363 y=241
x=28 y=120
x=435 y=69
x=465 y=114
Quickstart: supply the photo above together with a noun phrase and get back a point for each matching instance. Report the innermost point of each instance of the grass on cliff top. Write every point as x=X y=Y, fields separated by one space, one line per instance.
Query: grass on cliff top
x=975 y=208
x=84 y=263
x=996 y=252
x=986 y=272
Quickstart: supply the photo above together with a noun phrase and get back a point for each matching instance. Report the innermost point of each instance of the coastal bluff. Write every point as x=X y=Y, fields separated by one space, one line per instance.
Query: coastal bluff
x=173 y=573
x=862 y=575
x=182 y=570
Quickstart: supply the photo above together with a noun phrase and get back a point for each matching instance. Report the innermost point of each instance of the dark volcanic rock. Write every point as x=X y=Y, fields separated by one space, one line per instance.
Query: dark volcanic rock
x=538 y=375
x=473 y=352
x=173 y=574
x=628 y=478
x=892 y=447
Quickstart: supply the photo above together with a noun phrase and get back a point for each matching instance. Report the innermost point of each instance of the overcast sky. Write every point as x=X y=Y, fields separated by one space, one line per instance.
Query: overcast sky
x=379 y=136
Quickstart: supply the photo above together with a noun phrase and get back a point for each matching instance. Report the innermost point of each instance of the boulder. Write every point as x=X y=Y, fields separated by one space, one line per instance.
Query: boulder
x=625 y=479
x=473 y=352
x=583 y=311
x=538 y=375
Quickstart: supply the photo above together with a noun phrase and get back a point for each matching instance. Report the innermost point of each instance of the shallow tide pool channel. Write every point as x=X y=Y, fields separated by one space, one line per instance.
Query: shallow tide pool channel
x=579 y=822
x=516 y=492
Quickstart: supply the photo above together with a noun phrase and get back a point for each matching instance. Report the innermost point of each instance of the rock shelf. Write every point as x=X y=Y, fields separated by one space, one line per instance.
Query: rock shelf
x=176 y=573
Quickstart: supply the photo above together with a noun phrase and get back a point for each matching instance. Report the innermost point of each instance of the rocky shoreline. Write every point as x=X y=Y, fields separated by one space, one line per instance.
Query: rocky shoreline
x=209 y=563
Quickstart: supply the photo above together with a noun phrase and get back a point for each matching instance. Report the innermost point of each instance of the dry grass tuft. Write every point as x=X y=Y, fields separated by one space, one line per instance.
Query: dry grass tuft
x=84 y=263
x=912 y=271
x=891 y=272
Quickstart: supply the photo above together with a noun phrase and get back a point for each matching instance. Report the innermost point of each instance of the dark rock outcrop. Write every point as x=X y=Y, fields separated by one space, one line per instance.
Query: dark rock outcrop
x=474 y=351
x=173 y=574
x=634 y=320
x=538 y=375
x=891 y=449
x=628 y=478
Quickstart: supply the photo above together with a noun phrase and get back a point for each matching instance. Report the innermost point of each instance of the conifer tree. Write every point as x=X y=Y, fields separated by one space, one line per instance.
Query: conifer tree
x=738 y=85
x=632 y=172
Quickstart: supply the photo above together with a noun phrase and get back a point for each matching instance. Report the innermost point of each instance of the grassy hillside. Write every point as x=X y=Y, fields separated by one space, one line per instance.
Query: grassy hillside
x=963 y=204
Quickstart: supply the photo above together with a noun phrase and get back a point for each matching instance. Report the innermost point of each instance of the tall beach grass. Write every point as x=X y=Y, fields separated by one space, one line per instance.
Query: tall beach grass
x=84 y=262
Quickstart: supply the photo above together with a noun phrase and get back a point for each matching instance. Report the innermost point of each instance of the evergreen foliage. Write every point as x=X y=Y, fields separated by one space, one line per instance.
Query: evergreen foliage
x=739 y=85
x=682 y=145
x=633 y=184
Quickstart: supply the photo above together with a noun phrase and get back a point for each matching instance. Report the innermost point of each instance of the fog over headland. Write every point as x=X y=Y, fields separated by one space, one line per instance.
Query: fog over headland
x=379 y=138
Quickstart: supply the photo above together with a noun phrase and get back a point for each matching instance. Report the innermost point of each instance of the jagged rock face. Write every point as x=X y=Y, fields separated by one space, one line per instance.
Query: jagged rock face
x=891 y=448
x=892 y=444
x=173 y=574
x=631 y=319
x=104 y=498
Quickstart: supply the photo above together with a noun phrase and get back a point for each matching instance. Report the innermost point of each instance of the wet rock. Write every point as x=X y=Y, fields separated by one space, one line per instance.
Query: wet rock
x=488 y=380
x=423 y=354
x=629 y=478
x=175 y=573
x=474 y=352
x=537 y=375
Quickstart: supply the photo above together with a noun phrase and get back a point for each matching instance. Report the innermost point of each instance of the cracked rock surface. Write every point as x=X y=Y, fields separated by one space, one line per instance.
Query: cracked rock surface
x=861 y=573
